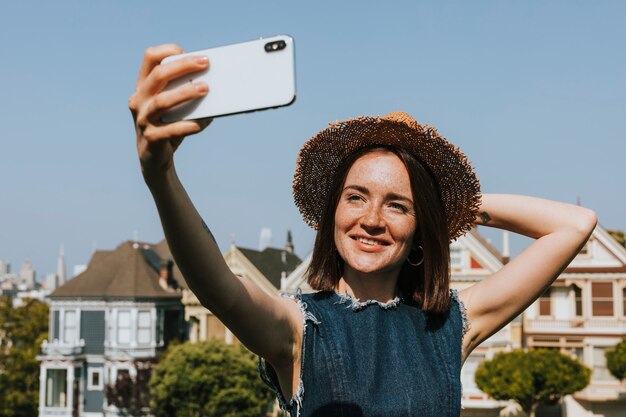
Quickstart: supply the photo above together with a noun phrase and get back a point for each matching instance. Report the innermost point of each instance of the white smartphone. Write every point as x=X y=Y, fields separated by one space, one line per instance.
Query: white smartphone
x=242 y=77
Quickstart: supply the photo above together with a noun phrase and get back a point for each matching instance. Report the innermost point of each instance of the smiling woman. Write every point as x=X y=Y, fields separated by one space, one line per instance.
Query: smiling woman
x=374 y=225
x=384 y=335
x=408 y=202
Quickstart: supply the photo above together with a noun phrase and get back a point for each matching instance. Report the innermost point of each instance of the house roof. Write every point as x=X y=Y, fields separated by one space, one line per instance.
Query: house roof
x=272 y=262
x=131 y=270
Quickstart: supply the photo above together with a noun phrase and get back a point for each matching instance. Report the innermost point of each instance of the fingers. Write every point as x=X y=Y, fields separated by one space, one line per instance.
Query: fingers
x=162 y=74
x=153 y=108
x=149 y=101
x=153 y=57
x=180 y=129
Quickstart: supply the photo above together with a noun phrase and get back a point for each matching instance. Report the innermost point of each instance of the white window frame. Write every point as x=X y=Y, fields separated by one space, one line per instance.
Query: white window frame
x=127 y=327
x=457 y=258
x=147 y=326
x=599 y=370
x=90 y=373
x=50 y=400
x=74 y=326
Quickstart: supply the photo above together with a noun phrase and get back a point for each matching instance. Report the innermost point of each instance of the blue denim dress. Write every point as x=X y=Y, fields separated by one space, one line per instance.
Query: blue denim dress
x=373 y=359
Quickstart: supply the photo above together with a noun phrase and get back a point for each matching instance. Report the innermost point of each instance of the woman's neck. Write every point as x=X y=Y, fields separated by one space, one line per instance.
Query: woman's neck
x=378 y=287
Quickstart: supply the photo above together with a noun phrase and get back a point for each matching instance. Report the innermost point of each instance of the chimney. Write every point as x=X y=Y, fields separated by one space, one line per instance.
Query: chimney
x=166 y=278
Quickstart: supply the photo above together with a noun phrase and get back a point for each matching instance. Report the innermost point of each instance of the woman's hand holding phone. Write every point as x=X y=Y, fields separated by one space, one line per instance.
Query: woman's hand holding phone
x=157 y=141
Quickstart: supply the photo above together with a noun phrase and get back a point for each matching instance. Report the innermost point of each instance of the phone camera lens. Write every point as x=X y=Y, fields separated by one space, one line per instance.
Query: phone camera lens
x=275 y=46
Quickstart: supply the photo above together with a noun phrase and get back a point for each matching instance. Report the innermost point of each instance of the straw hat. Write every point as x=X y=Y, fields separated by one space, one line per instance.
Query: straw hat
x=321 y=155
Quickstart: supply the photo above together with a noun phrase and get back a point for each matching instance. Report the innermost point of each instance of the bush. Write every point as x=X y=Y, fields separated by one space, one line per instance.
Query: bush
x=207 y=379
x=616 y=360
x=532 y=378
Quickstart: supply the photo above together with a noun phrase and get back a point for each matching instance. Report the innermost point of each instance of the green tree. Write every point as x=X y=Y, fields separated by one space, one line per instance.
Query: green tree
x=22 y=330
x=532 y=378
x=618 y=235
x=616 y=360
x=207 y=379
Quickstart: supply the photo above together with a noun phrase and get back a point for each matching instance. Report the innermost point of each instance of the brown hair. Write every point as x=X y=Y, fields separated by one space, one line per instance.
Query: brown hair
x=426 y=285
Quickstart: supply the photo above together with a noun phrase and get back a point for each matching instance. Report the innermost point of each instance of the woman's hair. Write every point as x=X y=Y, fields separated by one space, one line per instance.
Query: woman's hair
x=426 y=285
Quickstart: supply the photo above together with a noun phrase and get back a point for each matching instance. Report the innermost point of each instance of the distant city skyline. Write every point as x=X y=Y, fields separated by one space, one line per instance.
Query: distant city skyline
x=533 y=92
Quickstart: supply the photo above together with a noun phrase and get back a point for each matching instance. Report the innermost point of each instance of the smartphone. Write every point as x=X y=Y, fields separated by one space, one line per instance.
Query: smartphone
x=242 y=77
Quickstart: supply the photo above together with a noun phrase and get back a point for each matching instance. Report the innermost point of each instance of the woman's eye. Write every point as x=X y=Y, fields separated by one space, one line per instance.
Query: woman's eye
x=399 y=207
x=354 y=197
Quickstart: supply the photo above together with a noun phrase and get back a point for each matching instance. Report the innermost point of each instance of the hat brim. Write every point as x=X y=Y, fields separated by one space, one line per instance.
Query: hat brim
x=321 y=156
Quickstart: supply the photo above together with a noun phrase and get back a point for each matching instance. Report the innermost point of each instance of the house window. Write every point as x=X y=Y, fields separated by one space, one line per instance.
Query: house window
x=545 y=303
x=600 y=371
x=70 y=333
x=602 y=298
x=110 y=327
x=575 y=352
x=56 y=388
x=94 y=379
x=159 y=326
x=624 y=302
x=123 y=327
x=578 y=301
x=144 y=327
x=456 y=258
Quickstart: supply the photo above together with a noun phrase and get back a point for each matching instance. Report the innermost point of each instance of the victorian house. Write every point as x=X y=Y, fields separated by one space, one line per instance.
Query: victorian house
x=114 y=318
x=583 y=314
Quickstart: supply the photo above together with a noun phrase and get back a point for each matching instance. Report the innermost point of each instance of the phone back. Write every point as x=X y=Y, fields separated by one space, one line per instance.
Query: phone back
x=242 y=77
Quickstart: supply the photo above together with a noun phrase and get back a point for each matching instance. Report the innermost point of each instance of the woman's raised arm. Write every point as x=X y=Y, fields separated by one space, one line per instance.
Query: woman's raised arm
x=560 y=231
x=242 y=306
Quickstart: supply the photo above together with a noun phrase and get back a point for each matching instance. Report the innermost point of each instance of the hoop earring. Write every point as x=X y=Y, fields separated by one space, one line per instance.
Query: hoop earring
x=418 y=263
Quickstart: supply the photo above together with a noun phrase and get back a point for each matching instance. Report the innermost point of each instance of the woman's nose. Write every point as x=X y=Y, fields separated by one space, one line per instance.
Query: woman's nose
x=373 y=218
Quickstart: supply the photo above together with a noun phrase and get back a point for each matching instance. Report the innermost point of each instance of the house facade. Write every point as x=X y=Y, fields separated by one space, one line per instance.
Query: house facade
x=114 y=318
x=583 y=314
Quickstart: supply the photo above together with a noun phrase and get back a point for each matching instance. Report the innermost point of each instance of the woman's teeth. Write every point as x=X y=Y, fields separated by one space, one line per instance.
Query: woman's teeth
x=367 y=241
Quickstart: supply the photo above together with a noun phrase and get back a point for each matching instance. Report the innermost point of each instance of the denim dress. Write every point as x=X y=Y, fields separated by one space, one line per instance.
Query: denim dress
x=375 y=359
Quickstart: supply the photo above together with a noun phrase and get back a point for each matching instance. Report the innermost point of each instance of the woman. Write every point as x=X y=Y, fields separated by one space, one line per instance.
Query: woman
x=385 y=335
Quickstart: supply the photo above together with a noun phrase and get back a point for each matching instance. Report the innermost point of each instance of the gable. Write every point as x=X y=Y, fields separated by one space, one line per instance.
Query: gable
x=473 y=258
x=601 y=253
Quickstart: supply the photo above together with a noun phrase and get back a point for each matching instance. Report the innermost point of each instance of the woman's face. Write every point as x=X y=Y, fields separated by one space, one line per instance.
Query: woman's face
x=375 y=217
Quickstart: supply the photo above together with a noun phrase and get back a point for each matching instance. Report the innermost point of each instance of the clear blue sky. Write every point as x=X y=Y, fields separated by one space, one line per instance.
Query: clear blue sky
x=534 y=93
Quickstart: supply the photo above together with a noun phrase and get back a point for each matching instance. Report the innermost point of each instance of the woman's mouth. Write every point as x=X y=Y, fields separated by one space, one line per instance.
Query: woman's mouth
x=369 y=241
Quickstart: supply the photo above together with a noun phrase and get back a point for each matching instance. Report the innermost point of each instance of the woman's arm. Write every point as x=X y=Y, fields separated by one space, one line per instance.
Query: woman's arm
x=268 y=325
x=560 y=231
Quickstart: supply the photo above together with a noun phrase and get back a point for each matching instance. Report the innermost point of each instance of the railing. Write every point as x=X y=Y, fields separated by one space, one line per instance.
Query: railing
x=55 y=411
x=134 y=351
x=594 y=325
x=62 y=348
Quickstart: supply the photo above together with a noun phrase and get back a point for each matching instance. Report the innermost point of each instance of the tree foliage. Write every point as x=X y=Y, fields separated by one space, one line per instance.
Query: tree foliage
x=22 y=330
x=532 y=378
x=207 y=379
x=130 y=394
x=616 y=360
